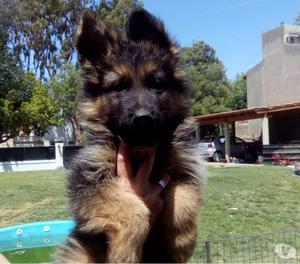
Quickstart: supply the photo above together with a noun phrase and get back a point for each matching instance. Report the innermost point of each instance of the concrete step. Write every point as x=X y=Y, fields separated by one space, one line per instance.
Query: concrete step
x=282 y=146
x=290 y=151
x=284 y=151
x=293 y=158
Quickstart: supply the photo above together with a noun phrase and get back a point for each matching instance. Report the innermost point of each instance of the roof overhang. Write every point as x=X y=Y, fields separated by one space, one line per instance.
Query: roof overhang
x=247 y=114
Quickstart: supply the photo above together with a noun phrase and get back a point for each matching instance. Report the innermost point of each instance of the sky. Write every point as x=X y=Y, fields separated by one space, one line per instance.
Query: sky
x=232 y=27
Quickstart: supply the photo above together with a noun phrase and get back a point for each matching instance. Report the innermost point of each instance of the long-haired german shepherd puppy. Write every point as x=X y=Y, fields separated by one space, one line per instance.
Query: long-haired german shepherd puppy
x=134 y=92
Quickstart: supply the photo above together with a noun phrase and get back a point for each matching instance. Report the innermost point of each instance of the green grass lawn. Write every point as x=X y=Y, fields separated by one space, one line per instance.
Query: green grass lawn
x=32 y=196
x=267 y=199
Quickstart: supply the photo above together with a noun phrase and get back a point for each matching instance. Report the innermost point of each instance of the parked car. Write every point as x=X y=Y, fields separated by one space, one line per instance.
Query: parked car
x=214 y=148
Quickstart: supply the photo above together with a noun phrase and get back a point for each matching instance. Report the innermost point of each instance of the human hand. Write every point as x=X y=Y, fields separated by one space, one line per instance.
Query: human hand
x=3 y=260
x=139 y=183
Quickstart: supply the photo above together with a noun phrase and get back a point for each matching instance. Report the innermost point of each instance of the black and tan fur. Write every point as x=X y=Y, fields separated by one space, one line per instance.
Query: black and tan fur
x=133 y=91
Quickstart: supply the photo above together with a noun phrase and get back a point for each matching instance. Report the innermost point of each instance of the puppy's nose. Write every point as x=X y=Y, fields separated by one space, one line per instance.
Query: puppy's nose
x=143 y=118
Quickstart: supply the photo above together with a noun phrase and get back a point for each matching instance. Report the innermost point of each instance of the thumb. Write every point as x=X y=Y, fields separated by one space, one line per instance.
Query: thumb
x=124 y=169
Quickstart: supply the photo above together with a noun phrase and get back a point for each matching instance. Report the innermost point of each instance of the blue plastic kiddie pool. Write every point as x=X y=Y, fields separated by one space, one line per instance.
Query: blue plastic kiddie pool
x=34 y=242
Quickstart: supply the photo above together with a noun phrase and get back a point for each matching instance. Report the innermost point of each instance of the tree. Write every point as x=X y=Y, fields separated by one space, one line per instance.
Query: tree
x=199 y=54
x=25 y=104
x=14 y=88
x=11 y=114
x=41 y=35
x=237 y=98
x=64 y=88
x=210 y=87
x=42 y=32
x=34 y=113
x=116 y=12
x=40 y=110
x=11 y=72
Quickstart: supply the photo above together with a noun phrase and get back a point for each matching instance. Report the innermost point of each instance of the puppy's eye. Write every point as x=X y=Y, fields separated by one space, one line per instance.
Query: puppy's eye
x=122 y=84
x=119 y=86
x=154 y=82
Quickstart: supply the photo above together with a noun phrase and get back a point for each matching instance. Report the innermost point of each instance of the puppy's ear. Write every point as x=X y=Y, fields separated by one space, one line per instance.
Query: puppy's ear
x=94 y=39
x=142 y=26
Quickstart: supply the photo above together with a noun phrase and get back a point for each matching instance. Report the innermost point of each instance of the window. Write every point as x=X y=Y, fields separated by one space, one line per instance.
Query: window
x=222 y=140
x=293 y=38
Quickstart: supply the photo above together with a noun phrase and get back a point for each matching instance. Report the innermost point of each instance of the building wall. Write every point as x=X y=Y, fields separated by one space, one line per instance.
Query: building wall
x=255 y=128
x=291 y=91
x=272 y=41
x=55 y=134
x=254 y=87
x=279 y=69
x=7 y=144
x=62 y=134
x=276 y=79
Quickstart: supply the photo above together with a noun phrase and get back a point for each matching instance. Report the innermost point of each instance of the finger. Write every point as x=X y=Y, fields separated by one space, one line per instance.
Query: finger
x=145 y=168
x=162 y=184
x=124 y=168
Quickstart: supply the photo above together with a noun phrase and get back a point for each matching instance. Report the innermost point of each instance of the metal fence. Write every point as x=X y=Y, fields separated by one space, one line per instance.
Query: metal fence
x=277 y=247
x=27 y=153
x=69 y=153
x=37 y=158
x=36 y=153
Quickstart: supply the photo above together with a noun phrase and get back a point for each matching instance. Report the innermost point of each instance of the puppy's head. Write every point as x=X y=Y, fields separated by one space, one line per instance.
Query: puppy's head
x=132 y=86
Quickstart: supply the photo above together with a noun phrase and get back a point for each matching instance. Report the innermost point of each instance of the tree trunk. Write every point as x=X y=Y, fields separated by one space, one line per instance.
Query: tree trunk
x=76 y=129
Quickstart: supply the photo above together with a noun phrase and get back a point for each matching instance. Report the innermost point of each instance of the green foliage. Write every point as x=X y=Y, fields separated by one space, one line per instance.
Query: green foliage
x=42 y=32
x=41 y=110
x=199 y=54
x=237 y=98
x=35 y=113
x=116 y=12
x=210 y=87
x=25 y=104
x=64 y=87
x=14 y=88
x=11 y=72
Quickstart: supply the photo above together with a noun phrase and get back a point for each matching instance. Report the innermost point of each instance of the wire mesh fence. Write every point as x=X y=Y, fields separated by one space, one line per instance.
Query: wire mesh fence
x=277 y=247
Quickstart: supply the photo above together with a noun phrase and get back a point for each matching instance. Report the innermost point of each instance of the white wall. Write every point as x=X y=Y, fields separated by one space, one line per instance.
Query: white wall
x=33 y=165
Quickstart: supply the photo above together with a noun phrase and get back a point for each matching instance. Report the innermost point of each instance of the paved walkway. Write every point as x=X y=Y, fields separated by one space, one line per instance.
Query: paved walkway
x=230 y=165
